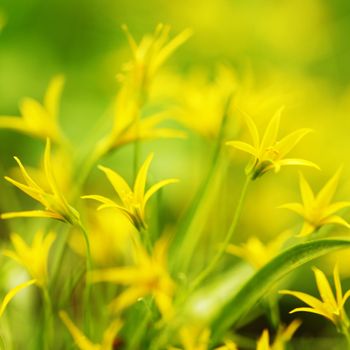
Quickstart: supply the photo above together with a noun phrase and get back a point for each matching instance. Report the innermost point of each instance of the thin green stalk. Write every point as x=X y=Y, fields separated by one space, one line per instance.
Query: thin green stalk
x=206 y=272
x=48 y=326
x=345 y=332
x=87 y=289
x=182 y=239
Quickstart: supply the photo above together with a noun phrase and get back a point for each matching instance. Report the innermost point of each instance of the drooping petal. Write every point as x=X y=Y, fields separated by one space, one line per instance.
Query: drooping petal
x=243 y=146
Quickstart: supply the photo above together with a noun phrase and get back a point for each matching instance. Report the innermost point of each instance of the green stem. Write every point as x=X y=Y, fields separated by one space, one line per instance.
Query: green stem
x=47 y=336
x=206 y=272
x=345 y=332
x=87 y=289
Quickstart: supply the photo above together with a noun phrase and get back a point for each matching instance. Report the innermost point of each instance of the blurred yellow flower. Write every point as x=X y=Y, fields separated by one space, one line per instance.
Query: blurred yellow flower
x=12 y=293
x=33 y=258
x=283 y=336
x=256 y=253
x=56 y=206
x=268 y=153
x=136 y=79
x=197 y=338
x=83 y=343
x=133 y=201
x=318 y=211
x=39 y=120
x=149 y=276
x=330 y=306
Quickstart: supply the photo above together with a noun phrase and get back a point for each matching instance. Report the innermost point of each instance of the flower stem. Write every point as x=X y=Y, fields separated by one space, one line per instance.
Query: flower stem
x=345 y=332
x=205 y=273
x=47 y=336
x=87 y=289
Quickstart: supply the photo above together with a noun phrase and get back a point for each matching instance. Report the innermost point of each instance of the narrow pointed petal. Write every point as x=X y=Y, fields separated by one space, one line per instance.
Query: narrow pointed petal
x=295 y=207
x=53 y=95
x=286 y=144
x=307 y=194
x=30 y=191
x=314 y=311
x=110 y=334
x=264 y=341
x=30 y=182
x=141 y=178
x=307 y=299
x=338 y=288
x=252 y=130
x=119 y=184
x=32 y=214
x=336 y=220
x=296 y=161
x=291 y=329
x=325 y=196
x=243 y=146
x=12 y=293
x=324 y=288
x=345 y=298
x=80 y=339
x=271 y=132
x=156 y=187
x=334 y=207
x=121 y=275
x=14 y=123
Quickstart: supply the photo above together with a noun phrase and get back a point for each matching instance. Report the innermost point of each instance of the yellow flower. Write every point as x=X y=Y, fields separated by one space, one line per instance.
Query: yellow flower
x=257 y=253
x=33 y=258
x=56 y=206
x=284 y=335
x=12 y=293
x=318 y=211
x=39 y=120
x=149 y=276
x=84 y=343
x=330 y=306
x=133 y=201
x=268 y=153
x=147 y=58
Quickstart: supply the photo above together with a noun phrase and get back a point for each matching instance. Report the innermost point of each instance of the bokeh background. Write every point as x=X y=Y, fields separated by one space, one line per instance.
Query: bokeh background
x=293 y=53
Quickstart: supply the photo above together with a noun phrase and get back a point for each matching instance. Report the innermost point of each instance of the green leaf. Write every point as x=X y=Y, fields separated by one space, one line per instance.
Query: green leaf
x=223 y=304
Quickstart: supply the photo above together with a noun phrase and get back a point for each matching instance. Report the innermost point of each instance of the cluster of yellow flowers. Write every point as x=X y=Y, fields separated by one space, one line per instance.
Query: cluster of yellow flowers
x=145 y=274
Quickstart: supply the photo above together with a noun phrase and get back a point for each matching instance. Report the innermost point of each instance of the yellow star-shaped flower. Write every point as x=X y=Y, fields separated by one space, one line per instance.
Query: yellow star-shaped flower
x=268 y=153
x=318 y=211
x=330 y=306
x=56 y=206
x=133 y=201
x=39 y=120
